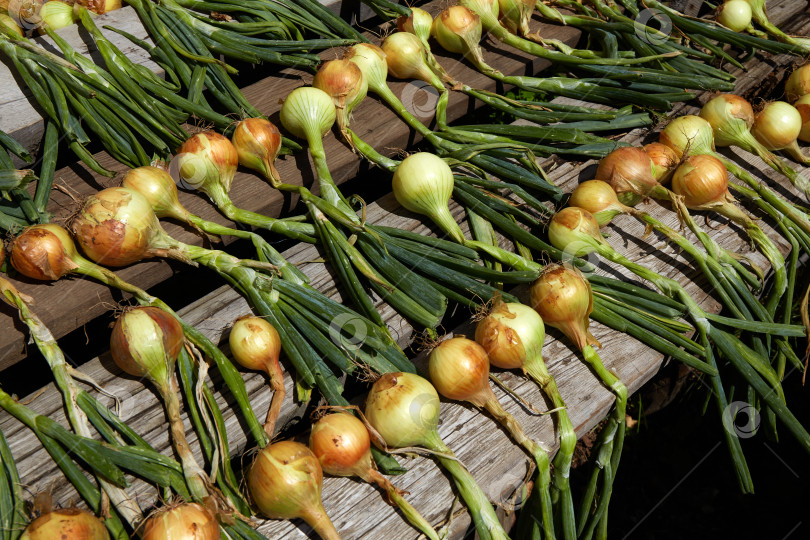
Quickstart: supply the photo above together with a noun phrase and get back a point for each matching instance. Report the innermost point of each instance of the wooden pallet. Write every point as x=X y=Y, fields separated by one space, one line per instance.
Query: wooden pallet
x=358 y=510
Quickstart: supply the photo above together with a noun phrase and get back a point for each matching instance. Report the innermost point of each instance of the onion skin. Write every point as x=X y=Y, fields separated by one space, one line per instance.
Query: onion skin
x=629 y=170
x=688 y=132
x=66 y=523
x=512 y=335
x=598 y=198
x=403 y=408
x=798 y=84
x=563 y=298
x=702 y=181
x=418 y=23
x=405 y=57
x=777 y=125
x=458 y=30
x=803 y=106
x=735 y=15
x=342 y=445
x=344 y=82
x=56 y=14
x=575 y=231
x=11 y=24
x=44 y=252
x=208 y=157
x=187 y=521
x=258 y=142
x=459 y=370
x=730 y=117
x=664 y=160
x=133 y=338
x=371 y=61
x=159 y=189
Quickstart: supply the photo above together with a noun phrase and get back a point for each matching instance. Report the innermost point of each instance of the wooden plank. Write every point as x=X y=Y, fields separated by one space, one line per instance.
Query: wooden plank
x=373 y=121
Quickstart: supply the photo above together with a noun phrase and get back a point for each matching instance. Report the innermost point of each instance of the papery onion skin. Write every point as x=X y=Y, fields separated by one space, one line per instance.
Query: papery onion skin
x=159 y=189
x=418 y=23
x=575 y=231
x=403 y=408
x=512 y=335
x=563 y=298
x=688 y=132
x=405 y=57
x=207 y=157
x=187 y=521
x=44 y=252
x=100 y=7
x=598 y=198
x=459 y=370
x=255 y=344
x=9 y=22
x=308 y=111
x=371 y=61
x=344 y=81
x=664 y=160
x=258 y=143
x=702 y=181
x=798 y=84
x=66 y=523
x=730 y=117
x=146 y=341
x=735 y=15
x=342 y=445
x=629 y=170
x=457 y=29
x=56 y=14
x=803 y=106
x=777 y=125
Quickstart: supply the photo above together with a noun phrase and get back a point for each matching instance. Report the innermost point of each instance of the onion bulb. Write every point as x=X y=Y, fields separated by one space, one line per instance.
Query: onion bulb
x=423 y=184
x=563 y=298
x=798 y=84
x=688 y=134
x=56 y=14
x=575 y=231
x=459 y=370
x=208 y=161
x=44 y=252
x=803 y=106
x=515 y=15
x=629 y=171
x=344 y=82
x=371 y=61
x=258 y=142
x=512 y=335
x=702 y=181
x=404 y=409
x=664 y=161
x=405 y=57
x=777 y=125
x=735 y=15
x=598 y=198
x=159 y=189
x=418 y=23
x=458 y=30
x=10 y=23
x=308 y=113
x=66 y=523
x=731 y=118
x=100 y=7
x=117 y=227
x=342 y=445
x=255 y=344
x=185 y=521
x=285 y=482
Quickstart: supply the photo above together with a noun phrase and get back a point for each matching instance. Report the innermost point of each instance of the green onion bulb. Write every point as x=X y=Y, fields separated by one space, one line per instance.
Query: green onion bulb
x=688 y=132
x=798 y=84
x=418 y=23
x=458 y=30
x=308 y=113
x=342 y=445
x=258 y=142
x=285 y=482
x=803 y=106
x=629 y=170
x=702 y=181
x=512 y=335
x=344 y=82
x=405 y=57
x=404 y=409
x=563 y=298
x=777 y=125
x=423 y=184
x=371 y=61
x=68 y=524
x=731 y=118
x=159 y=189
x=100 y=7
x=735 y=15
x=515 y=15
x=208 y=161
x=56 y=14
x=598 y=198
x=575 y=231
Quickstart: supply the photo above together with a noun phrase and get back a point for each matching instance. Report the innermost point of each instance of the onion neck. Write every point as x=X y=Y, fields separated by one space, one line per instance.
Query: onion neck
x=413 y=516
x=277 y=386
x=317 y=519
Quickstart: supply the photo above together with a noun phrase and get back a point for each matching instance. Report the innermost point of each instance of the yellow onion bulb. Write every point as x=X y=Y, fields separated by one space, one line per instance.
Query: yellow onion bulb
x=418 y=23
x=516 y=14
x=405 y=57
x=371 y=61
x=207 y=159
x=486 y=9
x=344 y=82
x=66 y=523
x=255 y=344
x=342 y=445
x=56 y=14
x=798 y=84
x=702 y=181
x=803 y=106
x=308 y=113
x=688 y=132
x=285 y=482
x=186 y=521
x=575 y=231
x=9 y=22
x=777 y=125
x=403 y=408
x=100 y=7
x=629 y=171
x=159 y=189
x=457 y=29
x=735 y=15
x=145 y=342
x=563 y=298
x=730 y=116
x=512 y=335
x=663 y=158
x=117 y=227
x=459 y=370
x=423 y=183
x=258 y=142
x=598 y=198
x=44 y=252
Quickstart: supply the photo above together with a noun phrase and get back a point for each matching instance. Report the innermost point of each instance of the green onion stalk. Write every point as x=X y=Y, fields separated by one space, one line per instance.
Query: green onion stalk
x=760 y=15
x=732 y=119
x=403 y=409
x=459 y=370
x=14 y=515
x=512 y=334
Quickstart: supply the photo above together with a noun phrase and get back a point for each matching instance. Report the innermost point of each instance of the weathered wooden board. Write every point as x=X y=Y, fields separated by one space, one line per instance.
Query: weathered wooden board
x=373 y=122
